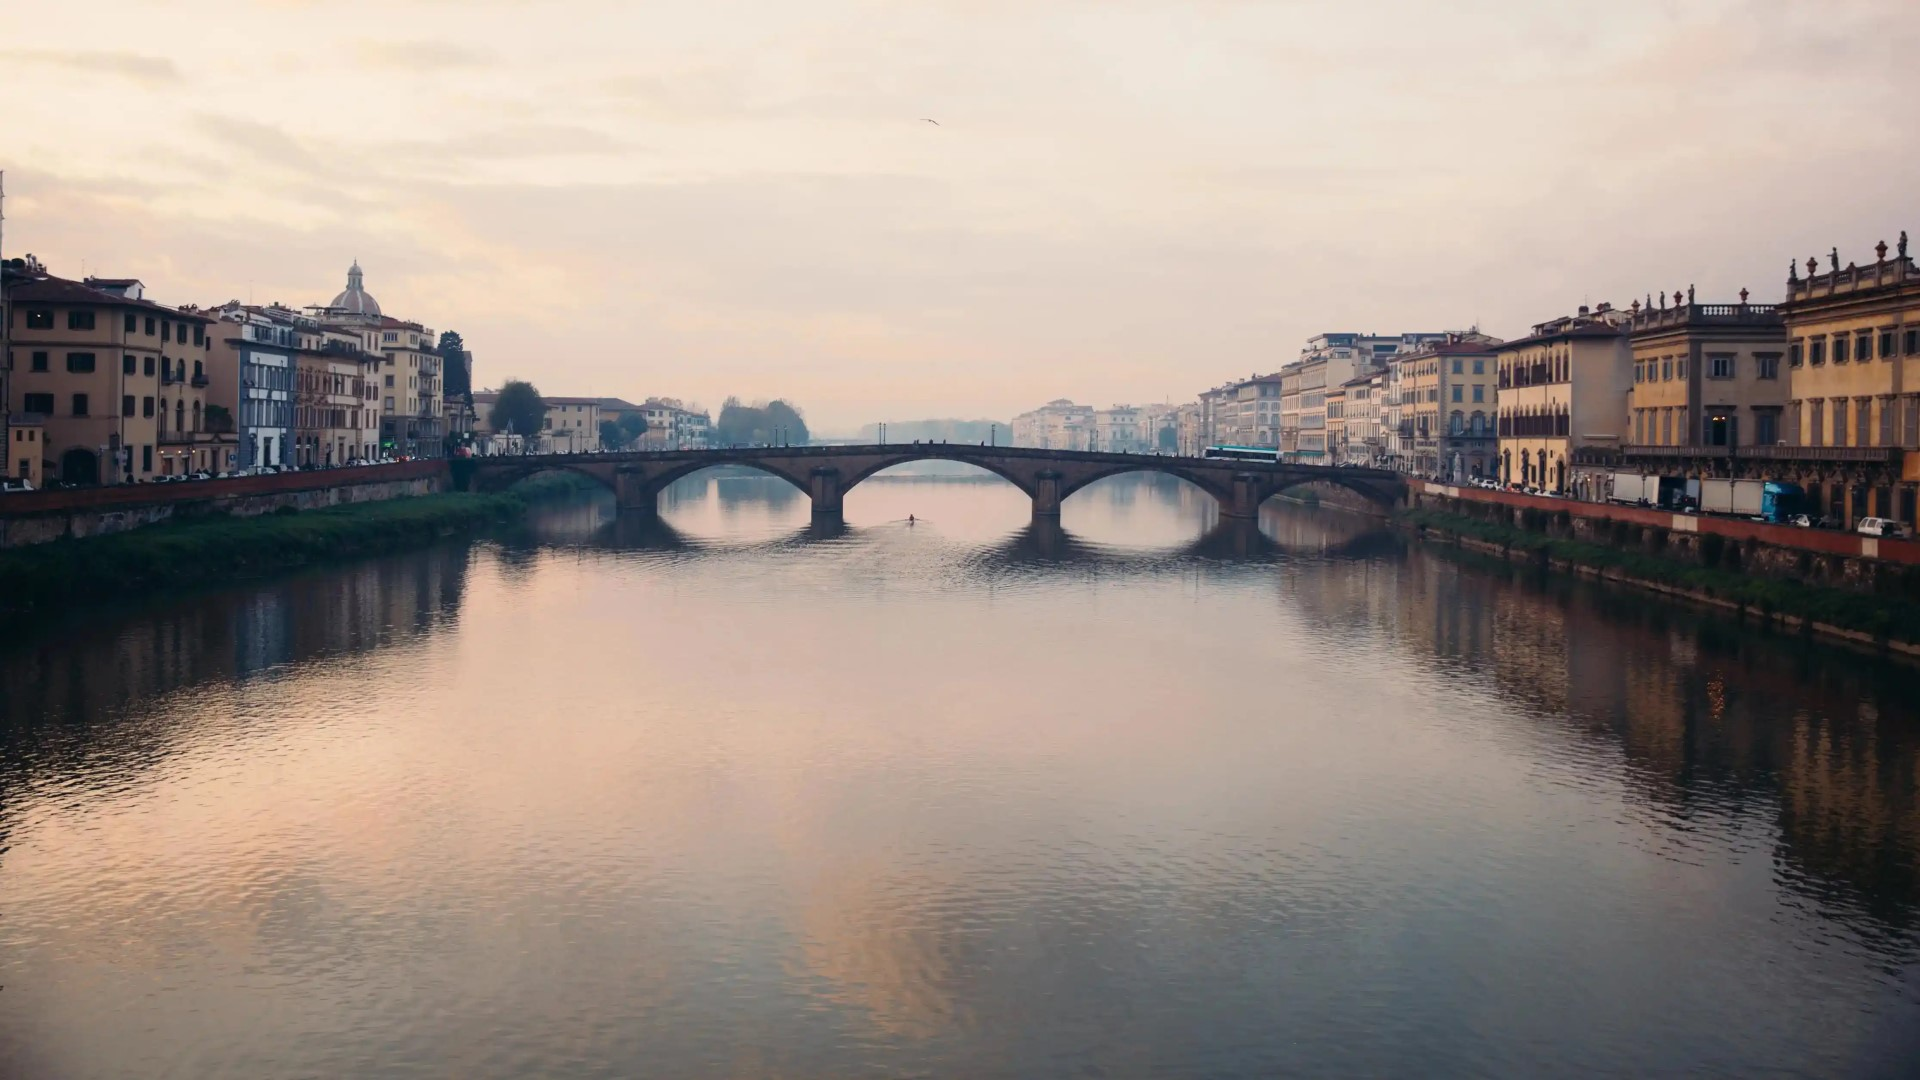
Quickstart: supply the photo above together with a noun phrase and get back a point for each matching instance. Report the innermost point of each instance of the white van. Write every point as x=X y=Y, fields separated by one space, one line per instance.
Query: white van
x=1882 y=527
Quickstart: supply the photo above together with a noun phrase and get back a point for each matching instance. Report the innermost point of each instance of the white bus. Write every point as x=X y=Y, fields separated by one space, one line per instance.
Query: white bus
x=1243 y=453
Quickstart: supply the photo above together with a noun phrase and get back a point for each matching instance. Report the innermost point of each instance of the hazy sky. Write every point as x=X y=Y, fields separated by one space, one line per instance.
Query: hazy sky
x=1125 y=200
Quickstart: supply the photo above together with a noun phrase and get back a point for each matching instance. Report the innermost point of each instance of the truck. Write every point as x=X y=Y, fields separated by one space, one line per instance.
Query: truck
x=1742 y=497
x=1767 y=500
x=1634 y=489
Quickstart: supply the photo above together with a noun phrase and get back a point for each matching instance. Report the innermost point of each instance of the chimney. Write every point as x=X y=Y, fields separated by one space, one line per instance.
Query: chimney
x=1583 y=310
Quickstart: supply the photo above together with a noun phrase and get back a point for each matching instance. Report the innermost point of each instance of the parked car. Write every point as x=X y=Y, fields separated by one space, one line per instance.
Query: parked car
x=1883 y=527
x=11 y=484
x=1800 y=521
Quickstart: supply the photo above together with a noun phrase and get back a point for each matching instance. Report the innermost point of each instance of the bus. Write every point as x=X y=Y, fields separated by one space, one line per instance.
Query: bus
x=1243 y=453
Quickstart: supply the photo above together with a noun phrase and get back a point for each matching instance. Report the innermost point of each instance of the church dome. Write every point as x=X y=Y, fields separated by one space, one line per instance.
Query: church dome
x=356 y=299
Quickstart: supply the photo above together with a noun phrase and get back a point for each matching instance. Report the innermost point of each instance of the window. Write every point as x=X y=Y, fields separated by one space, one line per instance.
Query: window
x=39 y=361
x=80 y=363
x=149 y=326
x=1913 y=343
x=126 y=405
x=166 y=330
x=1767 y=365
x=1816 y=424
x=1479 y=367
x=1766 y=427
x=133 y=324
x=1666 y=426
x=39 y=403
x=79 y=404
x=199 y=334
x=1839 y=348
x=1479 y=393
x=1840 y=421
x=146 y=406
x=1456 y=392
x=1666 y=370
x=79 y=320
x=1793 y=355
x=1863 y=423
x=126 y=365
x=1680 y=368
x=1886 y=422
x=389 y=404
x=1457 y=362
x=1720 y=366
x=1886 y=345
x=1817 y=351
x=1863 y=346
x=389 y=383
x=148 y=366
x=146 y=458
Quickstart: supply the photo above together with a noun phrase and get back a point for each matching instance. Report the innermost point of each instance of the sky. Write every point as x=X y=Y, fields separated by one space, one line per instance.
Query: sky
x=1122 y=201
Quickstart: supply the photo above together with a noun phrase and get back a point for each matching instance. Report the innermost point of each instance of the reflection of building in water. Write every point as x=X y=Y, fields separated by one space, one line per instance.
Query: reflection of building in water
x=92 y=673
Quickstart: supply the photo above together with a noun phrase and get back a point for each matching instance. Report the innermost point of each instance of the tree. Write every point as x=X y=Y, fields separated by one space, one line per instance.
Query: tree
x=456 y=365
x=519 y=409
x=747 y=425
x=623 y=432
x=787 y=424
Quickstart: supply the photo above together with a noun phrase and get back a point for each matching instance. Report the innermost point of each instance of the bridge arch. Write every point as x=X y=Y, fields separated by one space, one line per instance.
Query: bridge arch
x=1220 y=495
x=1367 y=490
x=501 y=479
x=850 y=481
x=658 y=482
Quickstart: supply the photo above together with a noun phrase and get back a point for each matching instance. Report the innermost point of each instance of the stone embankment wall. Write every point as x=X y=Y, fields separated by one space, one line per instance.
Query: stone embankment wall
x=38 y=517
x=1816 y=556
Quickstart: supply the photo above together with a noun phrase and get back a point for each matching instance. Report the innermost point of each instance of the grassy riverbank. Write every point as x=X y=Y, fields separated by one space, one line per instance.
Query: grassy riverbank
x=1880 y=617
x=210 y=550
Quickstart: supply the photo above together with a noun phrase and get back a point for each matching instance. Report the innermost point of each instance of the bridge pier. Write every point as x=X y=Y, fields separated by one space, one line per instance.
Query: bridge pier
x=1046 y=494
x=633 y=494
x=1245 y=494
x=823 y=484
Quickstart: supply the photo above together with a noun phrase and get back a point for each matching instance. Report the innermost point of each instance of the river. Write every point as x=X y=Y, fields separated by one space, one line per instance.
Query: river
x=727 y=794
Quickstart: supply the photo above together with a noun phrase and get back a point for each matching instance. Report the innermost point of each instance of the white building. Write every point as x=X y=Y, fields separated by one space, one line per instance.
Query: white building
x=1057 y=425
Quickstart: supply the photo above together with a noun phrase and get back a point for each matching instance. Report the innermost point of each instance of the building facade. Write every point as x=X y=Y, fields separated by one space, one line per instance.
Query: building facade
x=1853 y=385
x=412 y=422
x=572 y=425
x=1448 y=398
x=118 y=380
x=252 y=355
x=1706 y=376
x=1057 y=425
x=1563 y=389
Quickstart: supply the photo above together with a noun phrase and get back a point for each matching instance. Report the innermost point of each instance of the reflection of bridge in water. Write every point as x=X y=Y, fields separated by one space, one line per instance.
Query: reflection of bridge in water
x=1045 y=541
x=827 y=473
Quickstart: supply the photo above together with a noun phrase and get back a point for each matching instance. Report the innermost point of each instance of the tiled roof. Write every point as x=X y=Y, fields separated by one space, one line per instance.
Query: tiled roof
x=53 y=290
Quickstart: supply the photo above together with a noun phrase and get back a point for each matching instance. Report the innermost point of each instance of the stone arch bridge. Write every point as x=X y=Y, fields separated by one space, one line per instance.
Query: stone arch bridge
x=827 y=473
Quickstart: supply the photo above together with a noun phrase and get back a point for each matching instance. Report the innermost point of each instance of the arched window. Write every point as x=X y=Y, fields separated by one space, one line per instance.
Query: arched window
x=196 y=416
x=180 y=414
x=1456 y=423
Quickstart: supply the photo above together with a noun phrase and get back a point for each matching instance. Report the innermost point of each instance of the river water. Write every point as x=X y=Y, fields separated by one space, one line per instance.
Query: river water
x=725 y=794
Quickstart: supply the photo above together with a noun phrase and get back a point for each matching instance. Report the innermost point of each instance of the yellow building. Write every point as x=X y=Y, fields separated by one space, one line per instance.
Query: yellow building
x=412 y=423
x=1705 y=376
x=1853 y=382
x=573 y=425
x=1448 y=390
x=26 y=433
x=120 y=380
x=1562 y=389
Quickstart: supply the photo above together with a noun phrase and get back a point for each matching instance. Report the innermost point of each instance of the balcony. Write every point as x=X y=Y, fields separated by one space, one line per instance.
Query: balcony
x=1868 y=455
x=198 y=382
x=167 y=377
x=176 y=438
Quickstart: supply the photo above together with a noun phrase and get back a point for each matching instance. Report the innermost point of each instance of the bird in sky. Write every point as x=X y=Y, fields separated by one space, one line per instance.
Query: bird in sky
x=935 y=123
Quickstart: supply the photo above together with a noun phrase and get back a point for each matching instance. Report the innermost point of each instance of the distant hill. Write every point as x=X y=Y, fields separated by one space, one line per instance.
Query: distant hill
x=955 y=431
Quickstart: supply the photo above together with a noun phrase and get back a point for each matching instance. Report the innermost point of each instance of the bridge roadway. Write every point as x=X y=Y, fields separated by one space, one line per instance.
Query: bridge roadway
x=827 y=473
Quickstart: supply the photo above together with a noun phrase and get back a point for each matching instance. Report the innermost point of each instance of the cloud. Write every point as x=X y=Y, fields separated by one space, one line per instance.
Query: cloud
x=420 y=56
x=152 y=70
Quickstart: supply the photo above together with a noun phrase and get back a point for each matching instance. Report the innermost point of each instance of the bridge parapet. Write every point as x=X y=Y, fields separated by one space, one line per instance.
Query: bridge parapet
x=1048 y=477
